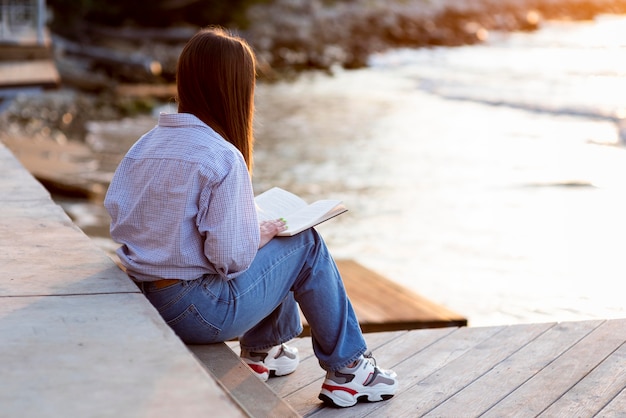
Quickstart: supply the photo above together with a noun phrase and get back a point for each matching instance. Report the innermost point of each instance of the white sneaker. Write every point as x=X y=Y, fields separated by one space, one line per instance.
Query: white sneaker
x=279 y=360
x=365 y=382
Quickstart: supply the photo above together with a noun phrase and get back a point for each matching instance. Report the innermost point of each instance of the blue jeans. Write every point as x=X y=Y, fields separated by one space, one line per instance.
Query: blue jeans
x=260 y=307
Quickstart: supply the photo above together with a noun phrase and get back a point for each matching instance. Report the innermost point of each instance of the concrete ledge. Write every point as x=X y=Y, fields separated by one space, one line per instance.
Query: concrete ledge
x=97 y=355
x=78 y=339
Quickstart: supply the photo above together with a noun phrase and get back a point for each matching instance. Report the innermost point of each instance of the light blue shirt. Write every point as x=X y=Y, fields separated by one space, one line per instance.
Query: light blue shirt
x=182 y=204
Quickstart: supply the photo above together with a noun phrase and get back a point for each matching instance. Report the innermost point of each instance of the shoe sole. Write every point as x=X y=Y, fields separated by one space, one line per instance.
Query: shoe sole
x=279 y=367
x=282 y=368
x=349 y=400
x=260 y=371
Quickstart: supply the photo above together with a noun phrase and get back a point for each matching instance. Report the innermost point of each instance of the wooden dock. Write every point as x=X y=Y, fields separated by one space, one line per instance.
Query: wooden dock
x=27 y=64
x=21 y=74
x=78 y=339
x=571 y=369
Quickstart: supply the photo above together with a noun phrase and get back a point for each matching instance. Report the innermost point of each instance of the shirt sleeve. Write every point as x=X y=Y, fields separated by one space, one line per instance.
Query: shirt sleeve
x=227 y=219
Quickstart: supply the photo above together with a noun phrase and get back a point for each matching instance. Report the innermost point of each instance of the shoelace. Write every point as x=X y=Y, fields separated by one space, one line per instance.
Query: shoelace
x=368 y=355
x=281 y=350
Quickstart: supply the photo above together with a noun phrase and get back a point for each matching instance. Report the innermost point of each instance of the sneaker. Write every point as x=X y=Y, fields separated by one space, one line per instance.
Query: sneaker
x=365 y=382
x=279 y=360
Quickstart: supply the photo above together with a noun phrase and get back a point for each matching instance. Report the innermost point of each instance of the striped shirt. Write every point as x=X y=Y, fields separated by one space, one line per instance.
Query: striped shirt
x=182 y=205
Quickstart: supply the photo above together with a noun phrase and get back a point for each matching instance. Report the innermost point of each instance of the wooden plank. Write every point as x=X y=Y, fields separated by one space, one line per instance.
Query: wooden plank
x=237 y=379
x=444 y=372
x=505 y=377
x=25 y=51
x=383 y=305
x=426 y=393
x=616 y=408
x=595 y=390
x=418 y=367
x=549 y=384
x=29 y=73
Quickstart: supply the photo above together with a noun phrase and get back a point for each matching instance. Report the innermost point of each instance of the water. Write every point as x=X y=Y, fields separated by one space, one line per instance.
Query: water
x=488 y=178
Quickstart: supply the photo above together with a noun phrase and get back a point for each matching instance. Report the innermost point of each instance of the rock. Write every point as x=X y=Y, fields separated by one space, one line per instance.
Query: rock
x=304 y=34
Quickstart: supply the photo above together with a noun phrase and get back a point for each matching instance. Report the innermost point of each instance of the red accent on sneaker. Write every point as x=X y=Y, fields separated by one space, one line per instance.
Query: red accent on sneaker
x=334 y=388
x=259 y=368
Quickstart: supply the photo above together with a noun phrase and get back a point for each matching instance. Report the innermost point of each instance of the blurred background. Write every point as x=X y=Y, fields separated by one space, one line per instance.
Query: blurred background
x=478 y=144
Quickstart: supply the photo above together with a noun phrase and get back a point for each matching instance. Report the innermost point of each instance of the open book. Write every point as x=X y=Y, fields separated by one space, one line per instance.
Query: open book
x=278 y=203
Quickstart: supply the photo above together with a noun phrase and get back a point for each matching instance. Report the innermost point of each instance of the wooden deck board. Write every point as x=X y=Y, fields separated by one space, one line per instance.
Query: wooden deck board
x=514 y=371
x=28 y=73
x=427 y=391
x=430 y=359
x=554 y=369
x=603 y=382
x=617 y=406
x=561 y=375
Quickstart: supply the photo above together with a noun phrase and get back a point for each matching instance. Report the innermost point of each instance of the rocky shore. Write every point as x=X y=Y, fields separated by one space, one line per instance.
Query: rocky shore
x=294 y=35
x=63 y=138
x=305 y=34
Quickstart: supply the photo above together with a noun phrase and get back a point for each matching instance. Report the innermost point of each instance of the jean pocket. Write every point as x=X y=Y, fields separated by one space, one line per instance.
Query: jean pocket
x=167 y=297
x=192 y=328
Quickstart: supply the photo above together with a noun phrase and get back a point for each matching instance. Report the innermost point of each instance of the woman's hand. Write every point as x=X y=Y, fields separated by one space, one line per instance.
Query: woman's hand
x=269 y=229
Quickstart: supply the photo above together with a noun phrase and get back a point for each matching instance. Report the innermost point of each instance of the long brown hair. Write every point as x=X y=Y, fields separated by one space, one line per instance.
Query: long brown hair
x=216 y=75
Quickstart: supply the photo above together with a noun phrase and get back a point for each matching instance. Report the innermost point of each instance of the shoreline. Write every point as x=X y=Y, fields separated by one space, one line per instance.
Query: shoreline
x=61 y=136
x=308 y=35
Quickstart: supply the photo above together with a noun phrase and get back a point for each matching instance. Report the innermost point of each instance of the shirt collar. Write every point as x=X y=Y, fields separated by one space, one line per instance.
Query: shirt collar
x=179 y=119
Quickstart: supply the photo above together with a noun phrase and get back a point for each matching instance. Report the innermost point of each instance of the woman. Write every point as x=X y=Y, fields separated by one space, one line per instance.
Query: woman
x=182 y=208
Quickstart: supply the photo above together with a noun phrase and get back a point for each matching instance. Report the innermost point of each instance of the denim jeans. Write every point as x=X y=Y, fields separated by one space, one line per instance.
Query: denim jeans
x=260 y=307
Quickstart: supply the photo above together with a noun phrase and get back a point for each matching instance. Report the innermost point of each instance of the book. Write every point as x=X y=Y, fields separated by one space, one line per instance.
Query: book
x=277 y=203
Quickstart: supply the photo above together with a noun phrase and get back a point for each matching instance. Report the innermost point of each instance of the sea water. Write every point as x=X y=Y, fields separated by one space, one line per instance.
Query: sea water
x=488 y=178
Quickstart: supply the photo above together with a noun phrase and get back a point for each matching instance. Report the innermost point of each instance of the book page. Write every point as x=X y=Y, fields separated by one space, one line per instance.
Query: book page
x=277 y=203
x=312 y=215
